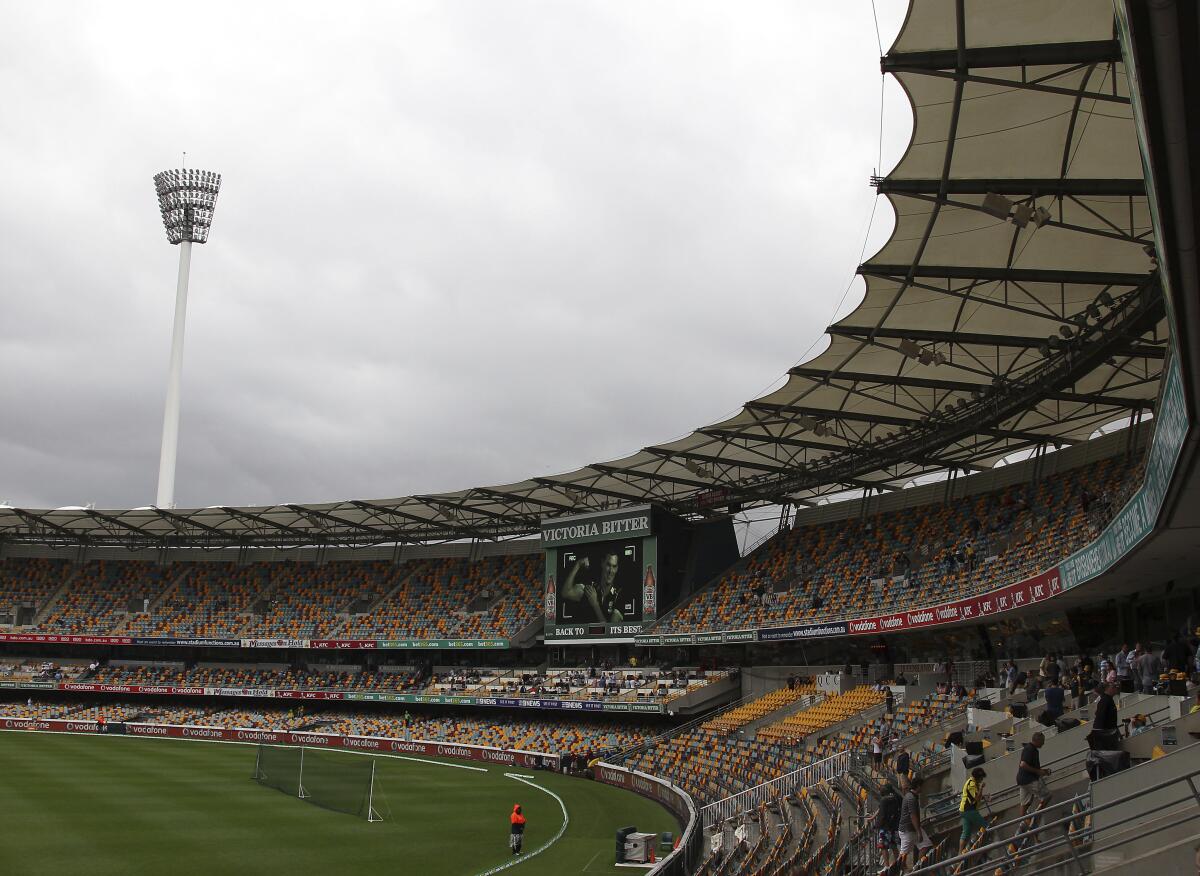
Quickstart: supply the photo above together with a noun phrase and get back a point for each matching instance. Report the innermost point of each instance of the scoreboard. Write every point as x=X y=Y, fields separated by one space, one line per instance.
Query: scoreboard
x=601 y=579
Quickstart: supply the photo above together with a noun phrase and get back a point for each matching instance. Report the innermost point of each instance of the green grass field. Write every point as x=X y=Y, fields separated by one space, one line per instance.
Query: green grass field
x=122 y=805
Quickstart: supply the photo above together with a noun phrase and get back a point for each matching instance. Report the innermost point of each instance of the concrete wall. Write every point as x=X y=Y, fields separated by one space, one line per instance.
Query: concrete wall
x=707 y=697
x=759 y=680
x=1133 y=821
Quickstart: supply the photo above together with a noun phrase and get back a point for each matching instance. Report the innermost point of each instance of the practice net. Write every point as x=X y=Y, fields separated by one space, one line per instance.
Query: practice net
x=342 y=783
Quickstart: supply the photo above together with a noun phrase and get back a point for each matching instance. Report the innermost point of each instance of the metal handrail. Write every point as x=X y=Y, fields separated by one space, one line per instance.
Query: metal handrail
x=1188 y=778
x=1066 y=760
x=806 y=776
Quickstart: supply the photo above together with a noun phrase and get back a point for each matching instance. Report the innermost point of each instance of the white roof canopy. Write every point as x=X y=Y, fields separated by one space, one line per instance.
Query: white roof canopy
x=1015 y=305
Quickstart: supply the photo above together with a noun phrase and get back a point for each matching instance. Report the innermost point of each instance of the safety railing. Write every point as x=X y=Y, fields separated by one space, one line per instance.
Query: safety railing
x=1038 y=840
x=805 y=777
x=1059 y=768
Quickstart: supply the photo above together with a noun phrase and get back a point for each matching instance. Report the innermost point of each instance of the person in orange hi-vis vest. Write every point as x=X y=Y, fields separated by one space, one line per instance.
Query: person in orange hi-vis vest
x=517 y=820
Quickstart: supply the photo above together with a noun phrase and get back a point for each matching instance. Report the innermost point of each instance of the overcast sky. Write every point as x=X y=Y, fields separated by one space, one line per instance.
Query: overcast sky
x=457 y=243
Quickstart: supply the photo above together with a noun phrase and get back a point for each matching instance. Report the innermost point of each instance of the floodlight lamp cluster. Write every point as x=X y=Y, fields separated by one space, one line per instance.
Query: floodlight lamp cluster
x=1018 y=213
x=187 y=199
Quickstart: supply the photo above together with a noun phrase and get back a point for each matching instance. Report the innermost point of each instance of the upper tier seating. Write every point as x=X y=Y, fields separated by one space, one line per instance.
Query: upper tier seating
x=102 y=593
x=887 y=562
x=434 y=601
x=451 y=598
x=916 y=556
x=29 y=582
x=210 y=600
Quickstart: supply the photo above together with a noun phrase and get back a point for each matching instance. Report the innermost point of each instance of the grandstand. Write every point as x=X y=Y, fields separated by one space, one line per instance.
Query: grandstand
x=890 y=562
x=918 y=556
x=448 y=598
x=985 y=485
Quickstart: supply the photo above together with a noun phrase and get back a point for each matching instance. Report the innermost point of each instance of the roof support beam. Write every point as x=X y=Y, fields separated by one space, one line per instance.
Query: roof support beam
x=271 y=524
x=517 y=499
x=1135 y=349
x=35 y=521
x=869 y=485
x=622 y=473
x=1016 y=275
x=118 y=522
x=182 y=523
x=314 y=515
x=463 y=509
x=1023 y=84
x=826 y=414
x=960 y=386
x=1032 y=437
x=434 y=527
x=1019 y=187
x=1039 y=55
x=760 y=438
x=602 y=491
x=718 y=460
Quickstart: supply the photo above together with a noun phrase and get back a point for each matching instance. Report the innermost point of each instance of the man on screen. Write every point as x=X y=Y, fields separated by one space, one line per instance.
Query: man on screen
x=602 y=600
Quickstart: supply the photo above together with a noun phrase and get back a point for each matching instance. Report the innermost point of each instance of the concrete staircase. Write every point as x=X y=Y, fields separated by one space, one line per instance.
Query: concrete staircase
x=49 y=604
x=155 y=603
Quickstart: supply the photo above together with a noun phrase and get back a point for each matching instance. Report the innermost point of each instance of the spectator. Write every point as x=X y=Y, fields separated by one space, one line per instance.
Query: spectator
x=1108 y=673
x=1032 y=685
x=1055 y=700
x=877 y=748
x=968 y=808
x=889 y=704
x=1176 y=655
x=901 y=767
x=887 y=823
x=912 y=833
x=1124 y=672
x=1031 y=776
x=900 y=679
x=1140 y=724
x=1010 y=675
x=1104 y=724
x=1149 y=668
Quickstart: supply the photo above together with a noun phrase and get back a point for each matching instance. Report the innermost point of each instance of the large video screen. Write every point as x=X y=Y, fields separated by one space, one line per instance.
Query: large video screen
x=600 y=583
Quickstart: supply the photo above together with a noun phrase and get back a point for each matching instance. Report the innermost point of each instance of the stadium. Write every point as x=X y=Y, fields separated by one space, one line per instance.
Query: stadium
x=967 y=643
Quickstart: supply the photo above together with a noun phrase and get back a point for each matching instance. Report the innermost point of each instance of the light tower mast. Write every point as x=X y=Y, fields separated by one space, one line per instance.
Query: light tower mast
x=186 y=199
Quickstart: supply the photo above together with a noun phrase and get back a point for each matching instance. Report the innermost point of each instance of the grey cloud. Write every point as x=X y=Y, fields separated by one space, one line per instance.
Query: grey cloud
x=457 y=243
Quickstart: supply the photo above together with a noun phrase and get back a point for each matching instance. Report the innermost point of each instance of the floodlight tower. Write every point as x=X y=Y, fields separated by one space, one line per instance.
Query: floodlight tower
x=186 y=199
